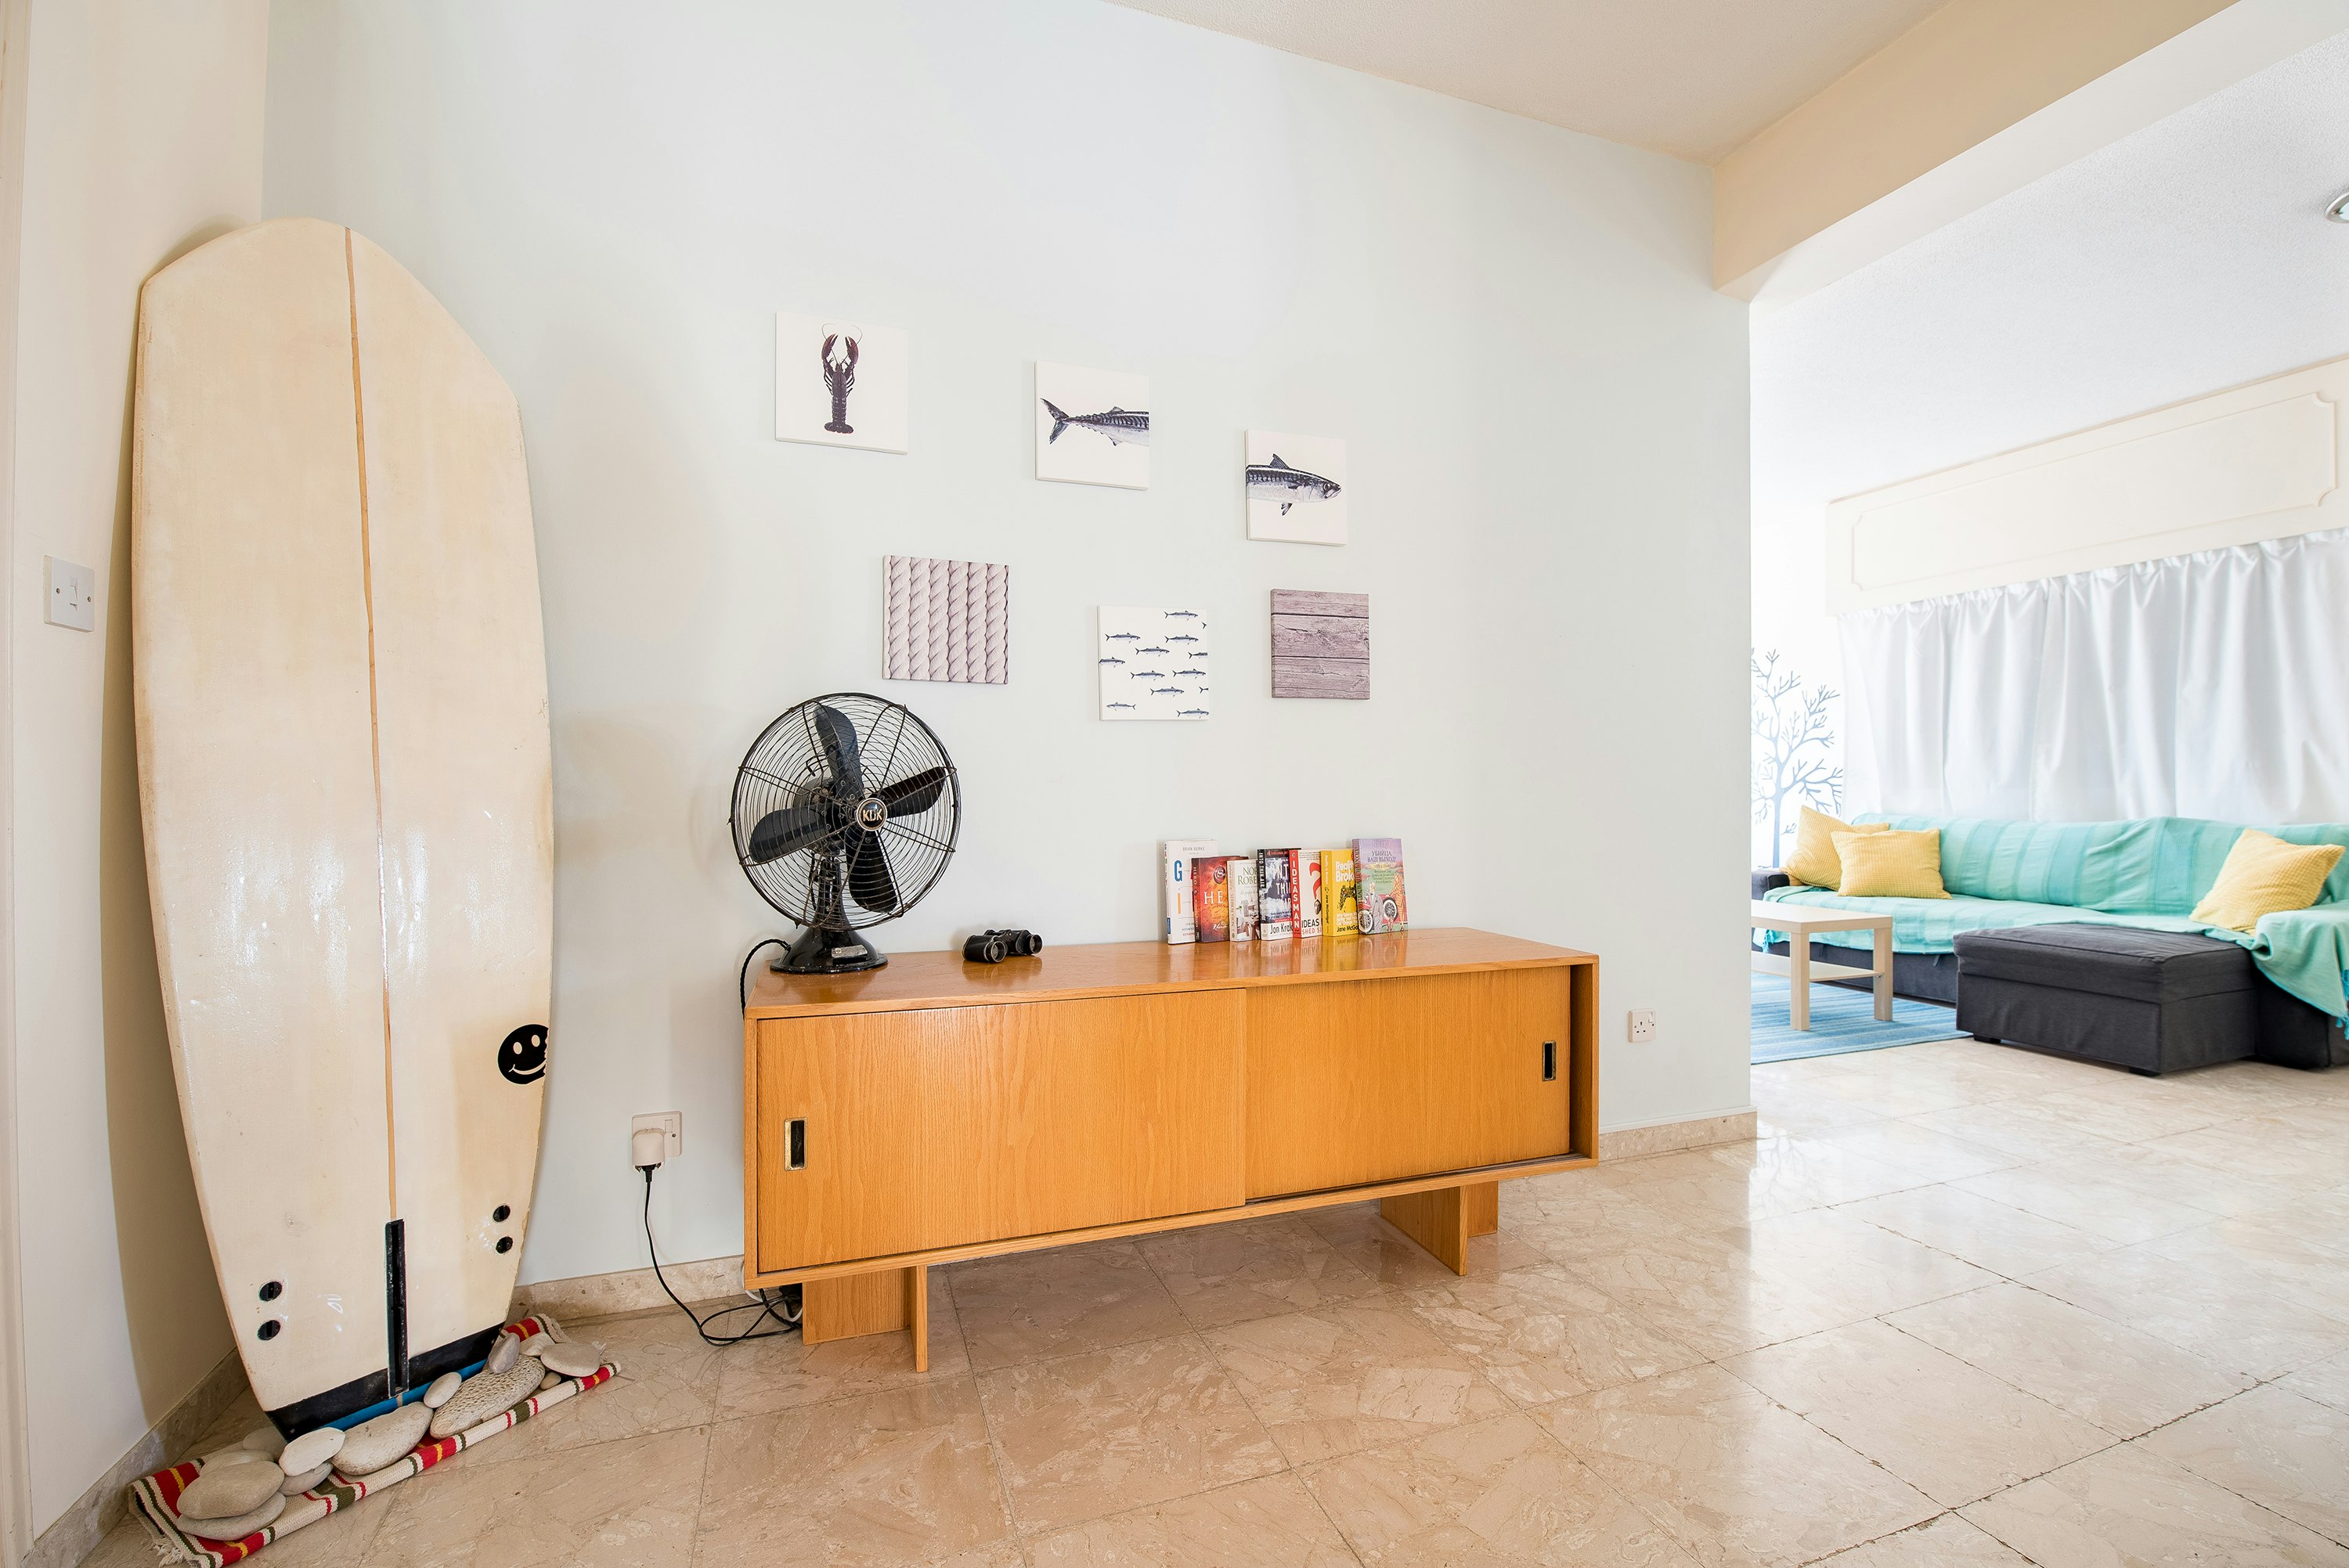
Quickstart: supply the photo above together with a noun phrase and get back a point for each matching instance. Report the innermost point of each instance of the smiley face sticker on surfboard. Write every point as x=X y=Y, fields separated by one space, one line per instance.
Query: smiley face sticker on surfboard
x=343 y=768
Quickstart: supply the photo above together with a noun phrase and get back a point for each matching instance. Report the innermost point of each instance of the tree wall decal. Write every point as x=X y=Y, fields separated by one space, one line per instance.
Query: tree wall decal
x=1793 y=751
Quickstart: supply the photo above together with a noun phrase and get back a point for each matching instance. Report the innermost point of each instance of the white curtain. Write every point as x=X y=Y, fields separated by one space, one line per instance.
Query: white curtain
x=2214 y=684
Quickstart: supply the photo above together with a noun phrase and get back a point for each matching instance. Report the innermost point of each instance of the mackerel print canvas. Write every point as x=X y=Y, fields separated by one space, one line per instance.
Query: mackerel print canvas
x=841 y=383
x=1092 y=426
x=946 y=621
x=1154 y=663
x=1296 y=488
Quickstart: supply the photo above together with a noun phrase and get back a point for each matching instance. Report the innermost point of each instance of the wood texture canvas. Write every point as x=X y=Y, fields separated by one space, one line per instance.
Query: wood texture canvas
x=1320 y=645
x=946 y=621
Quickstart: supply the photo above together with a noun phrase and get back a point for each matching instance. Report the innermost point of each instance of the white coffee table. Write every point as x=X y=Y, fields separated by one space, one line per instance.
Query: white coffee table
x=1799 y=922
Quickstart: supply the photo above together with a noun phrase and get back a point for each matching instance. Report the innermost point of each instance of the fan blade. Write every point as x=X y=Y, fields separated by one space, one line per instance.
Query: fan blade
x=869 y=883
x=838 y=738
x=915 y=794
x=779 y=832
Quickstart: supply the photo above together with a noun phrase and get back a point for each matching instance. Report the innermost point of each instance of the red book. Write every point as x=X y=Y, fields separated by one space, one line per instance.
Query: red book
x=1211 y=897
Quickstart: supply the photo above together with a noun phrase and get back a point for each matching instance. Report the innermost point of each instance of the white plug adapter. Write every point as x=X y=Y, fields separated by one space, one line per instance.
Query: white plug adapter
x=648 y=1146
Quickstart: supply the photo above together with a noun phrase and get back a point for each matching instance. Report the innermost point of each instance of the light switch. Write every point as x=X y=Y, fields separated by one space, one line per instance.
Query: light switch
x=73 y=595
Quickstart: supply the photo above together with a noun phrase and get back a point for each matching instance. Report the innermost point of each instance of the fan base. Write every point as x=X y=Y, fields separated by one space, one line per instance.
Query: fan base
x=828 y=950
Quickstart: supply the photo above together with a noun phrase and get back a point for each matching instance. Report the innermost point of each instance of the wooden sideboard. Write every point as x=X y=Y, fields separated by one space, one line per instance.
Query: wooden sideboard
x=935 y=1110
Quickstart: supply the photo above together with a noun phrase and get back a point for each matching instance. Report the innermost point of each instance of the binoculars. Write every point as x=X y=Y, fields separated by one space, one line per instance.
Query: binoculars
x=995 y=946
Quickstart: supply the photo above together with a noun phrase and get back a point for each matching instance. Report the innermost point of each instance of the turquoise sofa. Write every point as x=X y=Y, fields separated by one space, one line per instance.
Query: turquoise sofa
x=2148 y=874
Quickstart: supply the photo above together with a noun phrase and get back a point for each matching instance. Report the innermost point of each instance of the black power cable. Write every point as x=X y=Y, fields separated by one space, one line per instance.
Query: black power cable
x=770 y=1304
x=744 y=988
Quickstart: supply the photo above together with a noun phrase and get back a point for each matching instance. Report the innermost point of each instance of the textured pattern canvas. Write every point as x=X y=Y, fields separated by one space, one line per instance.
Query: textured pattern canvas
x=946 y=621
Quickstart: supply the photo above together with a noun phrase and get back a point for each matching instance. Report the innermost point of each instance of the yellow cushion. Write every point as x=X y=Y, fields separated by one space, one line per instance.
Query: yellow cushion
x=1891 y=865
x=2265 y=875
x=1813 y=862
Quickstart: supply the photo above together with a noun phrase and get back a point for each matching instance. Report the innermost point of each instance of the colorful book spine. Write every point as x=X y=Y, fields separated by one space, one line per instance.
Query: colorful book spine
x=1307 y=867
x=1378 y=866
x=1341 y=913
x=1275 y=894
x=1239 y=872
x=1175 y=858
x=1211 y=898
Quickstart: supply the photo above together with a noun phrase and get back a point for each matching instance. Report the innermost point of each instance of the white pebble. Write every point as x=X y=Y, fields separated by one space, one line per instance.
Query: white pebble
x=572 y=1360
x=503 y=1354
x=311 y=1450
x=443 y=1390
x=295 y=1485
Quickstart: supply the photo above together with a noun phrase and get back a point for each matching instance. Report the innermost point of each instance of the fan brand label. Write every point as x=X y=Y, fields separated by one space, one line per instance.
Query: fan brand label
x=848 y=952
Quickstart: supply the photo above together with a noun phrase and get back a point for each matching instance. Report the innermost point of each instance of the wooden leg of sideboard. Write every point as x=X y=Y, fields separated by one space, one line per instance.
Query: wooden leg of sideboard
x=1483 y=1202
x=1437 y=1221
x=918 y=1313
x=878 y=1303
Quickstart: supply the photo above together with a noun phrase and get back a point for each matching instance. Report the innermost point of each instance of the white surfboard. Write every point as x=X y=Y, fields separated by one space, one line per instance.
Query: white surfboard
x=344 y=768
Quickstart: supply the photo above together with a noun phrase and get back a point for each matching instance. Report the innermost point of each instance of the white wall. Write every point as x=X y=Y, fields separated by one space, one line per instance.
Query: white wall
x=2187 y=258
x=1510 y=324
x=142 y=138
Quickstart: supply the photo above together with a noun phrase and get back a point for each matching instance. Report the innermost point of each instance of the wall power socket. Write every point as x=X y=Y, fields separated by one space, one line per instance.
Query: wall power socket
x=1643 y=1025
x=669 y=1124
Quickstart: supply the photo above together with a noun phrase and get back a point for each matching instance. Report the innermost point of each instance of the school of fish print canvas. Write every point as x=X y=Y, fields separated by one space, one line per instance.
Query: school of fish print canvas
x=1092 y=426
x=1296 y=488
x=1154 y=663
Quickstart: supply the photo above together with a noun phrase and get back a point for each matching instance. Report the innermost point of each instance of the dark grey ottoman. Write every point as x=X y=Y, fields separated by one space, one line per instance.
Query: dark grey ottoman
x=2152 y=1001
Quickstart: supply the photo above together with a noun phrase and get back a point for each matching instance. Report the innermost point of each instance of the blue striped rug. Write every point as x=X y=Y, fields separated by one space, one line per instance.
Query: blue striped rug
x=1841 y=1020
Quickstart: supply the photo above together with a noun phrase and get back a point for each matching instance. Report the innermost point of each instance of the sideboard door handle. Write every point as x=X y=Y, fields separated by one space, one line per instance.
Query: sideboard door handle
x=1549 y=1061
x=795 y=1144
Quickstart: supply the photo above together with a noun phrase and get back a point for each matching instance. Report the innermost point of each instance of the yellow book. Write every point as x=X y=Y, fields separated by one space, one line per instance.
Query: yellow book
x=1340 y=899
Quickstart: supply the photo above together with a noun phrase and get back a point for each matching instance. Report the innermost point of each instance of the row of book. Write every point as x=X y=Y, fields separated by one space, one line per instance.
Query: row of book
x=1272 y=895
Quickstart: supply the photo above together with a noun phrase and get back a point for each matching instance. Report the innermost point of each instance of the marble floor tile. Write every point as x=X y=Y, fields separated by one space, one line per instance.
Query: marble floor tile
x=1950 y=1429
x=2229 y=1318
x=2158 y=1170
x=1499 y=1491
x=2126 y=1506
x=1992 y=1235
x=2327 y=1382
x=2103 y=1372
x=1701 y=1291
x=2016 y=1127
x=2103 y=1205
x=1735 y=1479
x=1057 y=1302
x=1352 y=1376
x=2273 y=1447
x=667 y=1380
x=1106 y=1431
x=1862 y=1267
x=880 y=1480
x=2283 y=1256
x=2125 y=1111
x=1921 y=1152
x=1737 y=1182
x=763 y=1376
x=1948 y=1541
x=626 y=1504
x=1226 y=1274
x=1271 y=1522
x=1542 y=1332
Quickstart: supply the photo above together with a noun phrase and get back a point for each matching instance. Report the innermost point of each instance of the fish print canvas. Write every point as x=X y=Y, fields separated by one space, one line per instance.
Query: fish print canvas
x=841 y=383
x=1092 y=426
x=1154 y=663
x=1296 y=488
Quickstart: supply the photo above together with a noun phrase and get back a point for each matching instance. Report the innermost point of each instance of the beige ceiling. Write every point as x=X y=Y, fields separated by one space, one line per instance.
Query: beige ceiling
x=1692 y=77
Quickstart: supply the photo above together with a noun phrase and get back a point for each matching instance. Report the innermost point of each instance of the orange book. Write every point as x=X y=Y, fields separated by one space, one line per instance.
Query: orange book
x=1211 y=897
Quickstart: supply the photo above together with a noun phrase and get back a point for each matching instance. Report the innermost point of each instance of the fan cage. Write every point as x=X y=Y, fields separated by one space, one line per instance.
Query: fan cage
x=787 y=769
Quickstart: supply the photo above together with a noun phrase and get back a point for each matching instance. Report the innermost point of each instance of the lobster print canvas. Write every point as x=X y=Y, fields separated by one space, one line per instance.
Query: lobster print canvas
x=841 y=383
